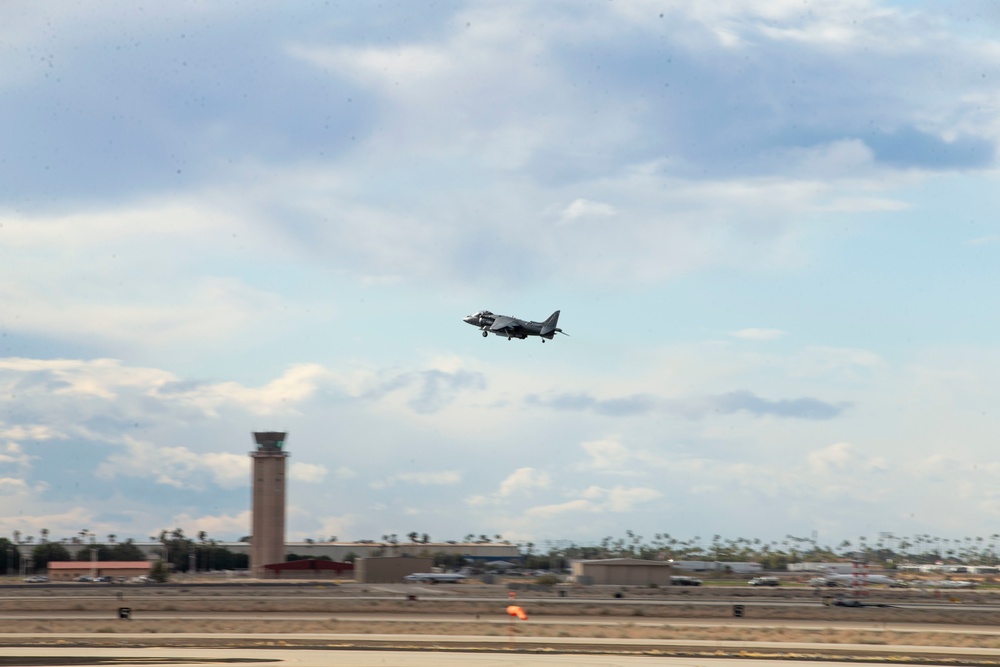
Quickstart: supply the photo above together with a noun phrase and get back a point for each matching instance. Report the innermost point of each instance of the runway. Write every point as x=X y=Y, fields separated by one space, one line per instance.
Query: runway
x=204 y=657
x=454 y=651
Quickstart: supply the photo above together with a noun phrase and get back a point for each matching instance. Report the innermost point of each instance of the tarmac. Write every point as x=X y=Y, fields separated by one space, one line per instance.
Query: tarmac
x=362 y=650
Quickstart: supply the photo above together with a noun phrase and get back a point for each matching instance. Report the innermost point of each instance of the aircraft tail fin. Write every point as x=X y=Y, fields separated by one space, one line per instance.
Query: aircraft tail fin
x=549 y=325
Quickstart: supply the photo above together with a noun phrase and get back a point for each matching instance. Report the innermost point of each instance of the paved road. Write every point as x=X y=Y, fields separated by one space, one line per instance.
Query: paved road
x=436 y=653
x=426 y=596
x=306 y=658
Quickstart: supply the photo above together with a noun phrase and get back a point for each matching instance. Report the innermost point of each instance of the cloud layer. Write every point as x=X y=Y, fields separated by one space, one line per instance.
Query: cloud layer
x=769 y=228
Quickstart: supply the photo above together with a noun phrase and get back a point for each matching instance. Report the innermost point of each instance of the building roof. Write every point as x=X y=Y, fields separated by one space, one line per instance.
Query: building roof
x=310 y=564
x=625 y=561
x=101 y=564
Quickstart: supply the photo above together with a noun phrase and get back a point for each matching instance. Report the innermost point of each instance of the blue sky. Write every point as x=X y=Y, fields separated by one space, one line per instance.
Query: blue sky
x=770 y=227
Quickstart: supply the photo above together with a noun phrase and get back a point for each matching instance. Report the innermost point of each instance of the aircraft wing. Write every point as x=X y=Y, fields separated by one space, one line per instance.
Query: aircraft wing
x=504 y=323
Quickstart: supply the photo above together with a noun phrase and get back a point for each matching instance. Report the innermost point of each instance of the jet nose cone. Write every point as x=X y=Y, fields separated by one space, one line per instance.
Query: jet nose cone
x=470 y=319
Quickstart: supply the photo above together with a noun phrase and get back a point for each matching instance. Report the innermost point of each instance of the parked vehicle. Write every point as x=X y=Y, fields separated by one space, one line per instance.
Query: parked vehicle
x=765 y=581
x=36 y=579
x=842 y=602
x=684 y=581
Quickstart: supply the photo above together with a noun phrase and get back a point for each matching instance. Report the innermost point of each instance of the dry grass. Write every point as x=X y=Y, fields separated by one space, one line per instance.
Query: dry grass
x=469 y=608
x=626 y=619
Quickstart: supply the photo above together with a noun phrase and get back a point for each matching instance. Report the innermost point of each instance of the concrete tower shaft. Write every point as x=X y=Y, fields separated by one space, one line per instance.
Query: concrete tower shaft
x=267 y=536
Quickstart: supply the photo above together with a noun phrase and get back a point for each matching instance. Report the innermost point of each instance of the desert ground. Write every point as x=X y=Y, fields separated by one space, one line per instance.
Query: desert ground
x=784 y=614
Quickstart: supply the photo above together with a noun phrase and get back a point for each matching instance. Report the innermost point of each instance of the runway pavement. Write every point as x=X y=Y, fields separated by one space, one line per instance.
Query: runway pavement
x=203 y=657
x=451 y=651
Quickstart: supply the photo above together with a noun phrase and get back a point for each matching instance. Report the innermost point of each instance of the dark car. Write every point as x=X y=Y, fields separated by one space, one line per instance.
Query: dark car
x=842 y=602
x=684 y=581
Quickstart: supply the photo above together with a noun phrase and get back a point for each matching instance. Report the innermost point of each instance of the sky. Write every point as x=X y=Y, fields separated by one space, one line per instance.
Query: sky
x=770 y=227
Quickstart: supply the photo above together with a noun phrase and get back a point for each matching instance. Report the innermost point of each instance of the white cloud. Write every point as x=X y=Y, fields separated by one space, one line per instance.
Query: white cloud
x=176 y=466
x=336 y=526
x=64 y=523
x=13 y=453
x=37 y=432
x=109 y=381
x=619 y=498
x=97 y=378
x=520 y=483
x=11 y=486
x=439 y=478
x=843 y=459
x=307 y=472
x=758 y=334
x=213 y=525
x=311 y=254
x=134 y=276
x=280 y=395
x=598 y=499
x=583 y=209
x=607 y=455
x=524 y=480
x=578 y=505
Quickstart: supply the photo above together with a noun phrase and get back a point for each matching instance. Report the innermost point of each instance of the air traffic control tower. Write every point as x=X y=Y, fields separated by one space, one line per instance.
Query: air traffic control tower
x=267 y=536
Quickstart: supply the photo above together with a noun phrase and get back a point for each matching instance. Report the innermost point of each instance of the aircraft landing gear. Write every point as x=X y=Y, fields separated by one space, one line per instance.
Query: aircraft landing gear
x=543 y=340
x=508 y=337
x=485 y=333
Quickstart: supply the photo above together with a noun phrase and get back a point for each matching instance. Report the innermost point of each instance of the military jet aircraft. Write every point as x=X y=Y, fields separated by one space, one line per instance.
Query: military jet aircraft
x=511 y=327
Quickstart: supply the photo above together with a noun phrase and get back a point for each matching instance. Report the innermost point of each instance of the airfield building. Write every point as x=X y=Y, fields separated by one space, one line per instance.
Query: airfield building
x=622 y=572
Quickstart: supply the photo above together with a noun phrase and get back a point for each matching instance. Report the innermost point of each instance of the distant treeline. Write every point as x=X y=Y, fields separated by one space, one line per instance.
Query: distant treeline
x=202 y=553
x=887 y=550
x=181 y=552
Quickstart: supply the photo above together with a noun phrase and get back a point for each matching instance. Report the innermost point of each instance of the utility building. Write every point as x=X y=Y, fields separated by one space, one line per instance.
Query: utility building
x=267 y=536
x=622 y=572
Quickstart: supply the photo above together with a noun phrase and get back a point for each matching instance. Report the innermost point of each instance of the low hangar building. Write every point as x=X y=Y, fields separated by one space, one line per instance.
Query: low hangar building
x=310 y=568
x=389 y=570
x=70 y=570
x=622 y=572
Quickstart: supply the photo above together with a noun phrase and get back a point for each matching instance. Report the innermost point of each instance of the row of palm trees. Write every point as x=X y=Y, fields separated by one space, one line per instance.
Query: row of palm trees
x=886 y=548
x=80 y=538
